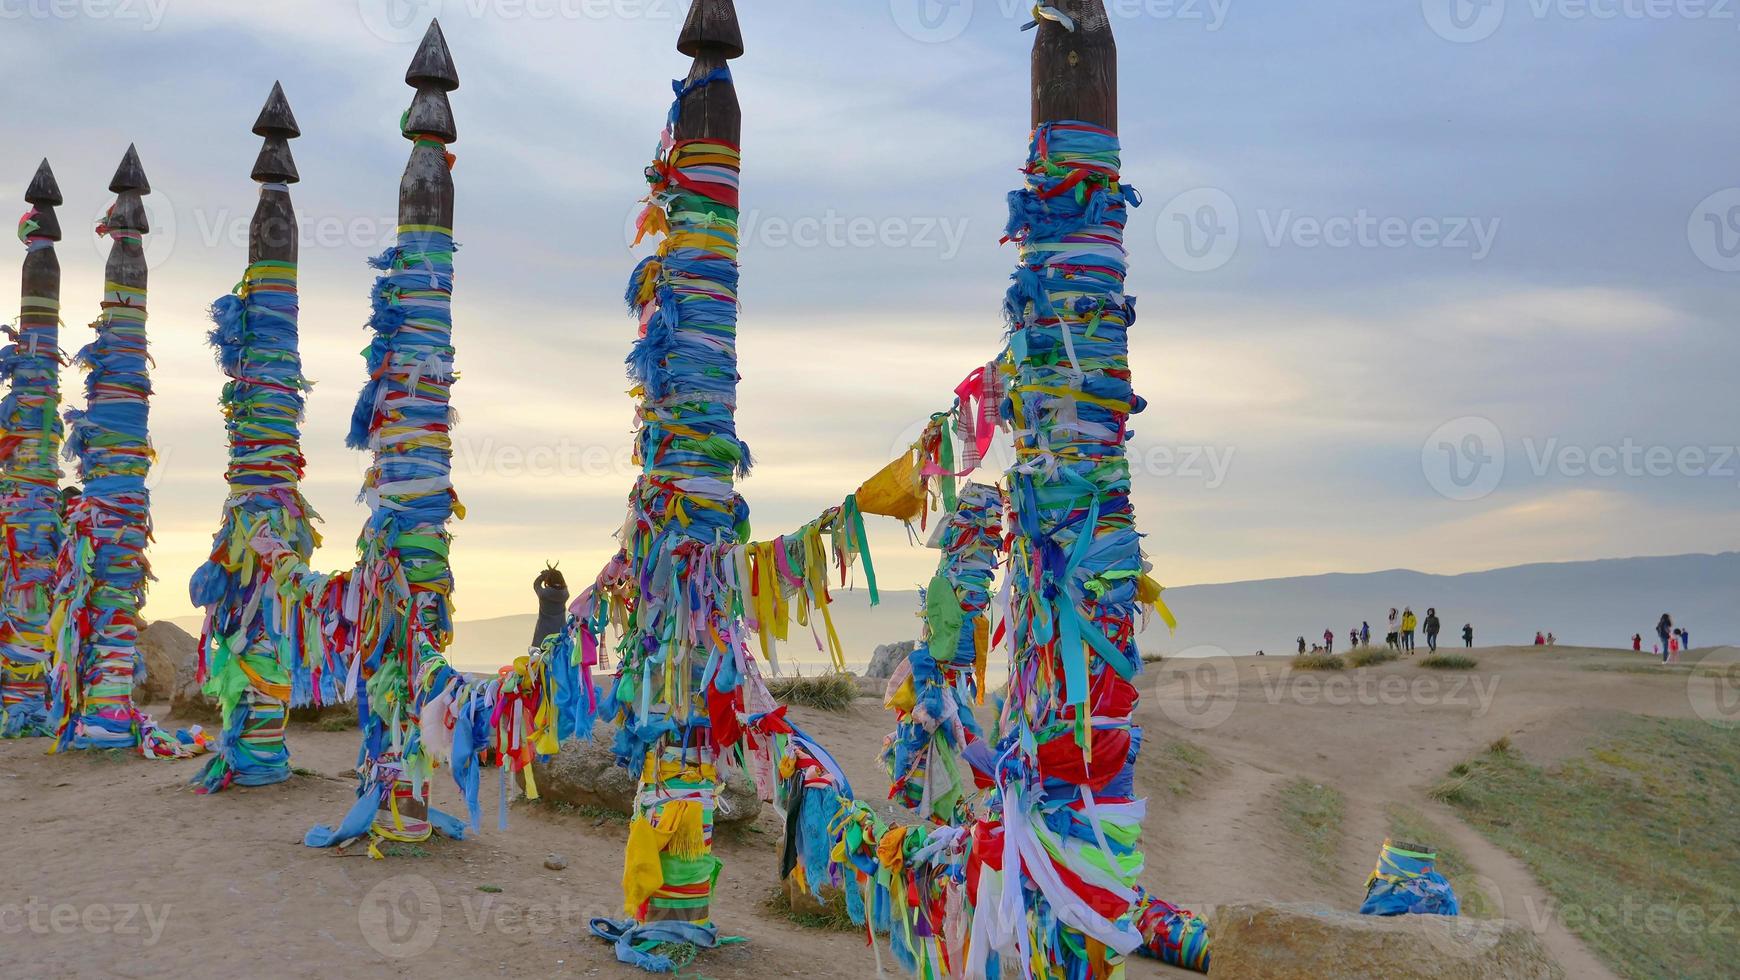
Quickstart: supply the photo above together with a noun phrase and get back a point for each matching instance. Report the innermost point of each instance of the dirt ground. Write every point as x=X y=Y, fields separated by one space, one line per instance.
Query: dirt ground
x=114 y=867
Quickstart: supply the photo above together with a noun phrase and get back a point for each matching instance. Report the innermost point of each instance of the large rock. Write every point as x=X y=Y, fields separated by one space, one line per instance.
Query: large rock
x=585 y=774
x=887 y=657
x=1315 y=942
x=171 y=658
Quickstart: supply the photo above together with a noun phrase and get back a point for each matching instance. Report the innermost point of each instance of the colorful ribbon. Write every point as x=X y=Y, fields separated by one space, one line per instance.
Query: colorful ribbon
x=253 y=641
x=31 y=527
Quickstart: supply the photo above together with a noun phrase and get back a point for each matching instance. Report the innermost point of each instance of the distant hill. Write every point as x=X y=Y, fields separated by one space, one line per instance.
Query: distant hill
x=1585 y=603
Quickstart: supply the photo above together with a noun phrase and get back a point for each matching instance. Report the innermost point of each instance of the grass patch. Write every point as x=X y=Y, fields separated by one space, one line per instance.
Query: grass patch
x=1178 y=764
x=833 y=919
x=1319 y=661
x=830 y=692
x=1313 y=813
x=1408 y=824
x=597 y=814
x=1634 y=841
x=1372 y=656
x=400 y=849
x=1450 y=661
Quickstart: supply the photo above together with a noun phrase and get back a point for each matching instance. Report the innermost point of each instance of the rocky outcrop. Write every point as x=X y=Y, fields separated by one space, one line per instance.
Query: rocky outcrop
x=1315 y=942
x=887 y=657
x=171 y=657
x=585 y=774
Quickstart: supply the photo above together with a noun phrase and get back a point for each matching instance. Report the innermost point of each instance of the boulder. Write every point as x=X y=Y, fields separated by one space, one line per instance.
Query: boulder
x=887 y=657
x=585 y=774
x=1315 y=942
x=171 y=657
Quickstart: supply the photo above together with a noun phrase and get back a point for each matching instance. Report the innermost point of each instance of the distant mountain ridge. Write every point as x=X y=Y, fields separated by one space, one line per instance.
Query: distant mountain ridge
x=1584 y=603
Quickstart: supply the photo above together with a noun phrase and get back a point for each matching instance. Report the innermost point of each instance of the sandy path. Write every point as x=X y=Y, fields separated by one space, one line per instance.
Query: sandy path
x=112 y=867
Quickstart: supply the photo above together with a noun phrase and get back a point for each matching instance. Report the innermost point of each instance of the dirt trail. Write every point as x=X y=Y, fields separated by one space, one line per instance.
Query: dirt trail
x=207 y=881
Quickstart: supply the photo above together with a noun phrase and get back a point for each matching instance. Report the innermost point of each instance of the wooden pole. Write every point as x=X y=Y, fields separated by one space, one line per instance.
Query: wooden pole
x=1075 y=72
x=30 y=473
x=406 y=579
x=1076 y=570
x=687 y=374
x=712 y=38
x=110 y=523
x=247 y=626
x=272 y=234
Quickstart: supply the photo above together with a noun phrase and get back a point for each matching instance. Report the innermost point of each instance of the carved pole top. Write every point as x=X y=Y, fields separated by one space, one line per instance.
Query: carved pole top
x=130 y=175
x=711 y=28
x=44 y=190
x=276 y=119
x=433 y=64
x=277 y=125
x=1075 y=65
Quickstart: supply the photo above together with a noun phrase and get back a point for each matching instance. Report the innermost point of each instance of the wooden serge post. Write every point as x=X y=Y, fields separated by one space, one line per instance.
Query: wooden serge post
x=404 y=417
x=1076 y=571
x=248 y=627
x=103 y=570
x=684 y=509
x=30 y=439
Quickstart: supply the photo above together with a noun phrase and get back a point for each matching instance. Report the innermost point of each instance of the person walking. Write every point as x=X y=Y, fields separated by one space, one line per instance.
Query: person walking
x=1353 y=639
x=1365 y=634
x=1664 y=629
x=1301 y=645
x=1409 y=624
x=1328 y=641
x=552 y=592
x=1432 y=627
x=1468 y=635
x=1637 y=642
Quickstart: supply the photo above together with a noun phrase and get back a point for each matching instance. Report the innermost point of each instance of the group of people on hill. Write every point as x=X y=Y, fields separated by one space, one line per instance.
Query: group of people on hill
x=1403 y=626
x=1673 y=639
x=1545 y=639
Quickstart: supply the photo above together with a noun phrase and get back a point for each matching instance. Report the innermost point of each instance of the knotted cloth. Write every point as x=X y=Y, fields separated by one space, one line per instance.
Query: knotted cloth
x=1056 y=889
x=102 y=572
x=253 y=641
x=933 y=692
x=31 y=526
x=402 y=585
x=682 y=655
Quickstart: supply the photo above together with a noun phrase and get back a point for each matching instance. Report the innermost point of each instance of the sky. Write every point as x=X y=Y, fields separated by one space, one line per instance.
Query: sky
x=1446 y=285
